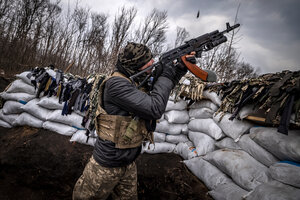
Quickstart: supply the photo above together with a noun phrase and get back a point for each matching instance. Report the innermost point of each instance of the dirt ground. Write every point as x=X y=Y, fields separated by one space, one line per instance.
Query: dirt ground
x=40 y=164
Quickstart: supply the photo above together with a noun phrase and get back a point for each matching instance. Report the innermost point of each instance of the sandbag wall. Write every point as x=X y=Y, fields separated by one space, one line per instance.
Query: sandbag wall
x=236 y=159
x=21 y=108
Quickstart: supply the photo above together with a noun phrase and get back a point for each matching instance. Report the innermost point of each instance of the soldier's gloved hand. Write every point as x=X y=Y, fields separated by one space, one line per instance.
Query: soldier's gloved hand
x=174 y=72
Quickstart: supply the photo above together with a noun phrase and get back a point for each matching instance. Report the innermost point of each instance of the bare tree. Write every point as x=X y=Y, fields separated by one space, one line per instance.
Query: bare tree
x=181 y=36
x=152 y=32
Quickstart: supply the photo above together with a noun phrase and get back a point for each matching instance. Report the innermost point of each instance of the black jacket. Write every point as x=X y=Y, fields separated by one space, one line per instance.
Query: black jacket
x=121 y=97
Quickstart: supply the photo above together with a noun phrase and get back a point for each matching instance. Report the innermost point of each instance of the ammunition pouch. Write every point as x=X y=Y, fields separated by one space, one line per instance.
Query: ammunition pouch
x=124 y=131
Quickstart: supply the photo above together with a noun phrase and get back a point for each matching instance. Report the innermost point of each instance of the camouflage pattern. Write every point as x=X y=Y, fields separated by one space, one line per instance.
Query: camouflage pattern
x=134 y=56
x=99 y=182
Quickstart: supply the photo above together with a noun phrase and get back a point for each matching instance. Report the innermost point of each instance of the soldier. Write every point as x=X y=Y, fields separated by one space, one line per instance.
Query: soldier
x=126 y=117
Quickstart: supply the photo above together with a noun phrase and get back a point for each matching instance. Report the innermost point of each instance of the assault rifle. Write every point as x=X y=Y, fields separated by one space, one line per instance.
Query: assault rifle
x=199 y=44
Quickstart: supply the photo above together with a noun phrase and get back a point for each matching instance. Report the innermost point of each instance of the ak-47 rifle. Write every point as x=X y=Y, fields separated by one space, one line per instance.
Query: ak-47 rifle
x=199 y=44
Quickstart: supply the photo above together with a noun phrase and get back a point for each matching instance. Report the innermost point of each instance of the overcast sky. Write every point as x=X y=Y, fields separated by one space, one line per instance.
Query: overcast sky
x=270 y=29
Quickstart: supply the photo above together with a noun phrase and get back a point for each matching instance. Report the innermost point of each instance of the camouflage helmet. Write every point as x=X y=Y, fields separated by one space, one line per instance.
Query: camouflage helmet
x=134 y=56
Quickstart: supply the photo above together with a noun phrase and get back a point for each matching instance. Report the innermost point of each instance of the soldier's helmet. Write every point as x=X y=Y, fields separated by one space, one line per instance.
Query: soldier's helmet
x=134 y=56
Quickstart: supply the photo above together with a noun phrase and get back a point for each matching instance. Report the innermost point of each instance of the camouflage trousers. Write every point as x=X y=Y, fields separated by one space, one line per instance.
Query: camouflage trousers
x=99 y=182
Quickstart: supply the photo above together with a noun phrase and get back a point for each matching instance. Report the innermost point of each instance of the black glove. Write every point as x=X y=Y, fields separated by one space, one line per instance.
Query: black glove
x=174 y=72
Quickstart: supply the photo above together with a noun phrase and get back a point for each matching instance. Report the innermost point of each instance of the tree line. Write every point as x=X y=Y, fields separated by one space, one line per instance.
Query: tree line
x=38 y=33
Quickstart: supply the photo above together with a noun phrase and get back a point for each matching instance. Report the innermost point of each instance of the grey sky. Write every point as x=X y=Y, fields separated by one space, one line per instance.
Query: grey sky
x=270 y=29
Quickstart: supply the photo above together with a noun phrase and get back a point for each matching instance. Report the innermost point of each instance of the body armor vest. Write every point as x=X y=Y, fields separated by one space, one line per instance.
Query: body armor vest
x=124 y=131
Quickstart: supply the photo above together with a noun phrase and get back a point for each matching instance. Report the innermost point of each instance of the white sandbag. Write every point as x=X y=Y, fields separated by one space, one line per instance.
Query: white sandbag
x=249 y=110
x=205 y=104
x=288 y=173
x=162 y=126
x=177 y=116
x=175 y=139
x=80 y=137
x=274 y=190
x=202 y=142
x=26 y=119
x=284 y=147
x=158 y=147
x=207 y=173
x=256 y=151
x=201 y=113
x=159 y=137
x=227 y=143
x=39 y=112
x=233 y=128
x=72 y=119
x=229 y=191
x=4 y=124
x=216 y=99
x=17 y=96
x=240 y=166
x=50 y=103
x=186 y=150
x=173 y=129
x=12 y=107
x=23 y=77
x=207 y=126
x=51 y=72
x=10 y=118
x=179 y=105
x=19 y=86
x=62 y=129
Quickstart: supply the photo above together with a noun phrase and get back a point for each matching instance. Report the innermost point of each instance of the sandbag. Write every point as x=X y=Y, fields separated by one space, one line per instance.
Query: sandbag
x=204 y=104
x=12 y=107
x=232 y=128
x=50 y=103
x=284 y=147
x=10 y=118
x=179 y=105
x=250 y=110
x=186 y=150
x=158 y=147
x=73 y=119
x=229 y=191
x=62 y=129
x=274 y=190
x=17 y=96
x=207 y=126
x=207 y=173
x=23 y=77
x=214 y=97
x=174 y=129
x=177 y=116
x=5 y=124
x=256 y=151
x=201 y=113
x=175 y=139
x=240 y=166
x=159 y=137
x=286 y=172
x=26 y=119
x=227 y=143
x=35 y=110
x=19 y=86
x=80 y=137
x=202 y=142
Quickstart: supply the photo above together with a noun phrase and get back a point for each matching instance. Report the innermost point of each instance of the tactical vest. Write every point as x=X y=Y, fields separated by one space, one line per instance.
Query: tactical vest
x=124 y=131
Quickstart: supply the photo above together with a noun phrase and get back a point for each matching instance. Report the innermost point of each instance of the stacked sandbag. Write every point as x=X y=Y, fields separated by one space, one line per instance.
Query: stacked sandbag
x=23 y=107
x=171 y=129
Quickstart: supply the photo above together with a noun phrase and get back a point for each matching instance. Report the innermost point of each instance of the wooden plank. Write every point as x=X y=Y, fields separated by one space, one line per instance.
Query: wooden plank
x=254 y=118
